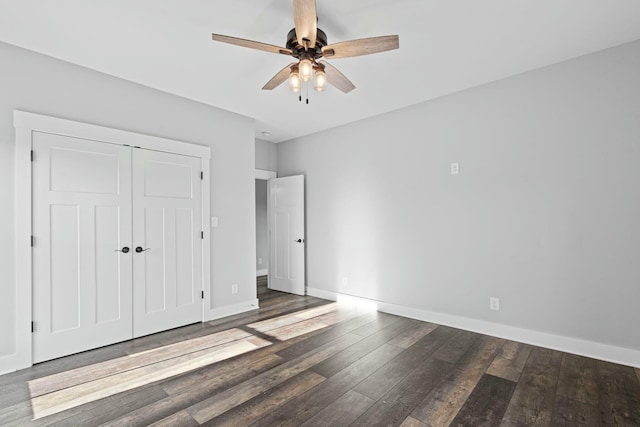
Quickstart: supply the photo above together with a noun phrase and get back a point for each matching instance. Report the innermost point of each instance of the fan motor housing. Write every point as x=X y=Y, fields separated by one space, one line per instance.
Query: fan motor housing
x=299 y=50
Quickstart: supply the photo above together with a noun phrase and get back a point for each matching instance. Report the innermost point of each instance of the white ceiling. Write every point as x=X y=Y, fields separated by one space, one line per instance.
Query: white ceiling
x=445 y=46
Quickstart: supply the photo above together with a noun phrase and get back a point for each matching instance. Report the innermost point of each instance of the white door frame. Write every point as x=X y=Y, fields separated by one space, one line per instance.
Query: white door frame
x=25 y=124
x=265 y=175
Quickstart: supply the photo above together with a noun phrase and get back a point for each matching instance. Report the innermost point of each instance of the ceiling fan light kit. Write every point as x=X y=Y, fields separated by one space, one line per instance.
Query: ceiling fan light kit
x=308 y=44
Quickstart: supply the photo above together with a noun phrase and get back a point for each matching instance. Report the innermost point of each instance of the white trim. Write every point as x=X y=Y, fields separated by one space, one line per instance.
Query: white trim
x=25 y=124
x=54 y=125
x=265 y=174
x=206 y=242
x=230 y=310
x=21 y=358
x=578 y=346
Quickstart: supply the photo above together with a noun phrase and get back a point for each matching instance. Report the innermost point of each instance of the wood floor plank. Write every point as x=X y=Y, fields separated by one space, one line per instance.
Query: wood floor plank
x=349 y=355
x=293 y=318
x=325 y=336
x=442 y=405
x=12 y=394
x=101 y=411
x=412 y=422
x=228 y=374
x=73 y=377
x=456 y=346
x=87 y=392
x=533 y=400
x=382 y=320
x=510 y=360
x=385 y=378
x=571 y=413
x=300 y=328
x=304 y=407
x=65 y=363
x=220 y=403
x=397 y=404
x=181 y=419
x=410 y=336
x=219 y=372
x=578 y=379
x=487 y=403
x=257 y=407
x=342 y=412
x=619 y=394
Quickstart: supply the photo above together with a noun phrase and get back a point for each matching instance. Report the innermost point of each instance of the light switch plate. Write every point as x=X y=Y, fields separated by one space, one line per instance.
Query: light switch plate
x=214 y=221
x=455 y=168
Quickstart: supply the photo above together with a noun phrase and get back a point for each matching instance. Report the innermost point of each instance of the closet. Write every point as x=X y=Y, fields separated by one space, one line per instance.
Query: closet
x=117 y=242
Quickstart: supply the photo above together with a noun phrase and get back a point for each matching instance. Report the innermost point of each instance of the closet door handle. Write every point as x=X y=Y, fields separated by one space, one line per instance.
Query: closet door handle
x=124 y=250
x=139 y=249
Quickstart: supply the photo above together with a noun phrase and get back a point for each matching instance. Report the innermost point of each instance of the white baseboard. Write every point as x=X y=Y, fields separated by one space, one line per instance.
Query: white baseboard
x=606 y=352
x=262 y=272
x=230 y=310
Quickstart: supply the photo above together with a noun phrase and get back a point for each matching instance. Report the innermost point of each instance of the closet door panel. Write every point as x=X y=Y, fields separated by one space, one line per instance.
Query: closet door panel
x=167 y=222
x=82 y=284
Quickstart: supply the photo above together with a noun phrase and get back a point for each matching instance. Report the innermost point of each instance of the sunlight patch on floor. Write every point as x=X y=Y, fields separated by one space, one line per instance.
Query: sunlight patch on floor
x=123 y=380
x=65 y=390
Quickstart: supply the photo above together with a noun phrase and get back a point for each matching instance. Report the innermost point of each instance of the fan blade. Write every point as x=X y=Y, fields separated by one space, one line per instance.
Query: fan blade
x=361 y=47
x=251 y=44
x=279 y=78
x=336 y=78
x=306 y=22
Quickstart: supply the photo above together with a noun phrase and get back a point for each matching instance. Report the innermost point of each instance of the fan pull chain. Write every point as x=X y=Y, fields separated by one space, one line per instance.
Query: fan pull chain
x=306 y=88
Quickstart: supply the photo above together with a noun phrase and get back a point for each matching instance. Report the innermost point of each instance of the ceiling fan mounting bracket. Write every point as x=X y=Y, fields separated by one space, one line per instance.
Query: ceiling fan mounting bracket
x=300 y=51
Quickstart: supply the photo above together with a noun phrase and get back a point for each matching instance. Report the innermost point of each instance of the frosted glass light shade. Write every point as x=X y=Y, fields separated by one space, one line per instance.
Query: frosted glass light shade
x=294 y=82
x=320 y=83
x=306 y=70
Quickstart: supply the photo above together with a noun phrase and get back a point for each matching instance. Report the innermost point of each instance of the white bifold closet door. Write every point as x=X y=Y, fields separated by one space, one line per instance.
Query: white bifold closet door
x=117 y=250
x=82 y=287
x=167 y=223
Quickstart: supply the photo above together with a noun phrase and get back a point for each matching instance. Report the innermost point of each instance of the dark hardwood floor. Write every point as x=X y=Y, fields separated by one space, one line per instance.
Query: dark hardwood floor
x=305 y=361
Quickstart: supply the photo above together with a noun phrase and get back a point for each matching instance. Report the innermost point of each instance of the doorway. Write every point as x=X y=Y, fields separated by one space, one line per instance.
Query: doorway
x=262 y=229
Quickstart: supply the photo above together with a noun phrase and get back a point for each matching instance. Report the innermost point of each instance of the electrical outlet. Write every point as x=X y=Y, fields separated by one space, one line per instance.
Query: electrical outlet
x=259 y=261
x=214 y=221
x=494 y=304
x=234 y=288
x=345 y=282
x=455 y=168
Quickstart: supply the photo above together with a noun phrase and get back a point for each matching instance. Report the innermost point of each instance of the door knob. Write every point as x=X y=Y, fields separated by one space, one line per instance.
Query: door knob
x=139 y=249
x=124 y=250
x=299 y=241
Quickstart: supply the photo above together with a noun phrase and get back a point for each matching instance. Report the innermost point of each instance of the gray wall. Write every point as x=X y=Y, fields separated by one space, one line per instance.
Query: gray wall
x=40 y=84
x=262 y=223
x=266 y=155
x=545 y=213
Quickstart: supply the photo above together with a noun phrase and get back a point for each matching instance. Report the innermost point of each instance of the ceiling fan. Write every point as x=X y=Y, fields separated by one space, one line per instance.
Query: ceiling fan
x=308 y=44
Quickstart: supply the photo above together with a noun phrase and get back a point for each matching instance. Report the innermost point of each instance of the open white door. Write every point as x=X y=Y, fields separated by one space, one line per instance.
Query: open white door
x=82 y=295
x=167 y=241
x=286 y=240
